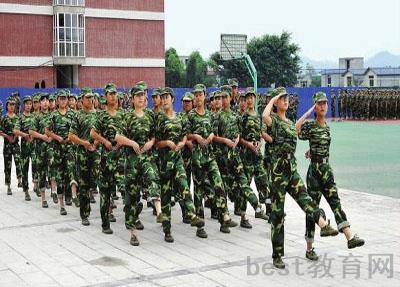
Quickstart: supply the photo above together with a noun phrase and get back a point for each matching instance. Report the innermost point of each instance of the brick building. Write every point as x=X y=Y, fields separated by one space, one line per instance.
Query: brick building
x=78 y=43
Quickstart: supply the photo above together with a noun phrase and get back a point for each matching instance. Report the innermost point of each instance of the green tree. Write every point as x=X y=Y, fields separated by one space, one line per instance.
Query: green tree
x=174 y=69
x=196 y=69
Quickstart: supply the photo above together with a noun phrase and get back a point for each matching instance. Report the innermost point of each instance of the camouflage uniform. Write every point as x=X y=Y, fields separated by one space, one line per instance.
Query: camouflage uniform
x=173 y=174
x=285 y=179
x=86 y=160
x=60 y=125
x=11 y=149
x=206 y=175
x=25 y=124
x=139 y=167
x=230 y=164
x=107 y=125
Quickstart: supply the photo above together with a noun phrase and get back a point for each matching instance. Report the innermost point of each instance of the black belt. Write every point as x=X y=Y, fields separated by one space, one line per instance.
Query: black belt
x=320 y=159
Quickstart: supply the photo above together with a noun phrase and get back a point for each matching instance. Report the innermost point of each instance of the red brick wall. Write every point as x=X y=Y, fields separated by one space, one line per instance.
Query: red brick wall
x=26 y=78
x=122 y=77
x=116 y=38
x=29 y=2
x=141 y=5
x=26 y=35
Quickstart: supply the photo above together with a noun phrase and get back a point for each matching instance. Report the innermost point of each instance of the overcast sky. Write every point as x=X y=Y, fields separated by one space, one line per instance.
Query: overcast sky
x=325 y=30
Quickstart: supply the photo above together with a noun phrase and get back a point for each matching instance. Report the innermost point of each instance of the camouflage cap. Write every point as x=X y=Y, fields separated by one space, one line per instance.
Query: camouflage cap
x=280 y=91
x=158 y=92
x=52 y=97
x=233 y=82
x=71 y=95
x=61 y=93
x=11 y=100
x=110 y=88
x=188 y=96
x=226 y=90
x=199 y=88
x=36 y=97
x=217 y=94
x=137 y=89
x=143 y=84
x=120 y=96
x=167 y=90
x=320 y=97
x=241 y=95
x=250 y=91
x=44 y=95
x=86 y=92
x=27 y=98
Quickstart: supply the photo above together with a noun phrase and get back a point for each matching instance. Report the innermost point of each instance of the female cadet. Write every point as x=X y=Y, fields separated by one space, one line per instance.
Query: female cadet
x=171 y=139
x=320 y=180
x=284 y=175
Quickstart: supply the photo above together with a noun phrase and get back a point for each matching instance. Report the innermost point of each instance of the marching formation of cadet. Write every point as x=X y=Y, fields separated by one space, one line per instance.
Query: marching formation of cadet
x=78 y=144
x=366 y=104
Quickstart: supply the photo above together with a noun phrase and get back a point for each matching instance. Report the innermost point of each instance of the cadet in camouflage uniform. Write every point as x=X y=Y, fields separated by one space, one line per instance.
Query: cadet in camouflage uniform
x=234 y=84
x=11 y=143
x=204 y=165
x=251 y=128
x=137 y=132
x=284 y=176
x=104 y=131
x=171 y=139
x=227 y=133
x=42 y=142
x=87 y=156
x=35 y=176
x=21 y=129
x=333 y=105
x=242 y=104
x=58 y=130
x=320 y=180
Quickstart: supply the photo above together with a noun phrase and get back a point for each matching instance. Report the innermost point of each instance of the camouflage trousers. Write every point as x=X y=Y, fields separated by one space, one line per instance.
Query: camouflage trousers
x=207 y=178
x=187 y=161
x=107 y=183
x=60 y=167
x=140 y=171
x=27 y=151
x=86 y=174
x=320 y=181
x=11 y=150
x=235 y=181
x=71 y=164
x=44 y=159
x=174 y=182
x=254 y=167
x=285 y=179
x=120 y=172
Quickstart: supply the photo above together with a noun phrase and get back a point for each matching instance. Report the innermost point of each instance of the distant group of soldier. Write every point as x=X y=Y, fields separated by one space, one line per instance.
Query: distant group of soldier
x=366 y=104
x=79 y=145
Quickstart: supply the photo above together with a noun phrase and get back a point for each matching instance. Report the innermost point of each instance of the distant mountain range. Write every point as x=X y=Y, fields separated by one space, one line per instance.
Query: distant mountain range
x=381 y=59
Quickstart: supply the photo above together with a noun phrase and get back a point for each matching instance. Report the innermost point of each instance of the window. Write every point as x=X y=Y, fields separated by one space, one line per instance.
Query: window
x=371 y=81
x=329 y=81
x=349 y=81
x=69 y=2
x=69 y=35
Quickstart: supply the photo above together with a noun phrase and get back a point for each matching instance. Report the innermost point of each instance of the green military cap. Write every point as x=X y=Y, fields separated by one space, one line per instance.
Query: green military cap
x=36 y=97
x=199 y=88
x=159 y=92
x=320 y=97
x=86 y=92
x=188 y=96
x=137 y=89
x=44 y=95
x=143 y=84
x=27 y=98
x=233 y=82
x=71 y=95
x=167 y=90
x=11 y=100
x=217 y=94
x=250 y=91
x=241 y=95
x=52 y=97
x=225 y=90
x=110 y=88
x=61 y=93
x=281 y=91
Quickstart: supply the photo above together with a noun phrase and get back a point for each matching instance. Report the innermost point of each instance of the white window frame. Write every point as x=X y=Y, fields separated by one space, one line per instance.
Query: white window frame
x=56 y=34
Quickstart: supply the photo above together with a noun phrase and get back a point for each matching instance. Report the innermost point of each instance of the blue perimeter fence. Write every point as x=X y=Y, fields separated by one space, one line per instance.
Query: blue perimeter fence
x=305 y=95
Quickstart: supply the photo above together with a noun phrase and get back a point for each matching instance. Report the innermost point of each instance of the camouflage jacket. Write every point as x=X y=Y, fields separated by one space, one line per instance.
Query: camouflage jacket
x=284 y=136
x=318 y=137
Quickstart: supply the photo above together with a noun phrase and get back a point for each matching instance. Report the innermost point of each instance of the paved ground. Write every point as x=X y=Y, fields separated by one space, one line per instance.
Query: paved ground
x=38 y=247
